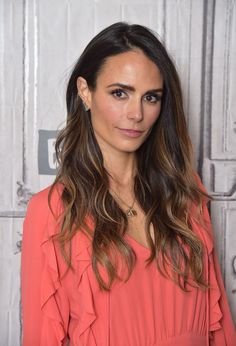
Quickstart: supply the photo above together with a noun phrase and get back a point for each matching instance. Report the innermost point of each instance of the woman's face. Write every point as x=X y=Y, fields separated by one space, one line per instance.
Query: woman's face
x=126 y=101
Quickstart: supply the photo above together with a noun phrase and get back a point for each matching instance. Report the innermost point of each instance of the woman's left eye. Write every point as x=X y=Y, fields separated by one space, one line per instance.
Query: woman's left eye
x=152 y=98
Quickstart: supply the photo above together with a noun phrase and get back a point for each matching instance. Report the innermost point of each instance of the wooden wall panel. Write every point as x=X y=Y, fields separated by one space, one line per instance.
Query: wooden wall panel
x=186 y=45
x=10 y=312
x=218 y=134
x=230 y=261
x=223 y=115
x=39 y=43
x=11 y=102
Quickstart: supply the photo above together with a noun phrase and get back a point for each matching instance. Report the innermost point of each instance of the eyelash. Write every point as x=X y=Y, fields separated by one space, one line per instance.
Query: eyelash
x=116 y=91
x=156 y=96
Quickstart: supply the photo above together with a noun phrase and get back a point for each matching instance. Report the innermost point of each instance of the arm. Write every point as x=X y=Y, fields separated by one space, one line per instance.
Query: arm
x=227 y=332
x=45 y=308
x=226 y=335
x=31 y=272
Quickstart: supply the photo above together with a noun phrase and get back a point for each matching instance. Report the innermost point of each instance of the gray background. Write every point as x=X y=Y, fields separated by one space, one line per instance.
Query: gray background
x=40 y=41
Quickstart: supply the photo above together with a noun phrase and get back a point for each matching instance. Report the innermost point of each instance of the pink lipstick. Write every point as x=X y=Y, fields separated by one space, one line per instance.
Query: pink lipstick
x=131 y=133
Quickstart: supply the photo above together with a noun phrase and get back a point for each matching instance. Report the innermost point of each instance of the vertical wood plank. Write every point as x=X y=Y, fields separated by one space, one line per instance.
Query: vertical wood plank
x=39 y=43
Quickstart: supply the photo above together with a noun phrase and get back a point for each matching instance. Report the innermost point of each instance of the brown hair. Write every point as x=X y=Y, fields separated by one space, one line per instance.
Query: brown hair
x=165 y=184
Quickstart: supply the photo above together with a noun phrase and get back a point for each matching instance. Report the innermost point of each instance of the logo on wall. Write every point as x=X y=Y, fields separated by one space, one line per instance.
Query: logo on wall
x=46 y=152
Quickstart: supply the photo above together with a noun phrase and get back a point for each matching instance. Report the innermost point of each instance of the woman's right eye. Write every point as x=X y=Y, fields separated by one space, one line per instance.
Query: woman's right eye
x=119 y=93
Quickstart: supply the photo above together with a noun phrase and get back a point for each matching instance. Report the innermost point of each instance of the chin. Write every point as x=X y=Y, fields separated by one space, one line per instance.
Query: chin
x=130 y=149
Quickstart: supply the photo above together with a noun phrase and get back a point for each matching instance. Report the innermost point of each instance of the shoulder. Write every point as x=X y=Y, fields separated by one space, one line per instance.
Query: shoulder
x=39 y=202
x=197 y=205
x=39 y=213
x=199 y=182
x=200 y=217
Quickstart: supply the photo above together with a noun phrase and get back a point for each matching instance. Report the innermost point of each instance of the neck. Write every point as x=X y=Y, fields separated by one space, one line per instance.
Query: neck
x=121 y=168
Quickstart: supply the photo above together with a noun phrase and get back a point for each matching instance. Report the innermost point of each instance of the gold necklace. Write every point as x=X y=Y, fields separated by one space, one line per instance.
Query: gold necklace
x=130 y=212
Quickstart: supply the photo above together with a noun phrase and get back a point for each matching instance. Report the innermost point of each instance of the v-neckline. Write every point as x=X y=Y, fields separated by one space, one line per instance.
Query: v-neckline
x=134 y=241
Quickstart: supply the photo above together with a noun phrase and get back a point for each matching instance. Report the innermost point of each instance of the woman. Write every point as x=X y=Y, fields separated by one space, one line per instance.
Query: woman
x=119 y=250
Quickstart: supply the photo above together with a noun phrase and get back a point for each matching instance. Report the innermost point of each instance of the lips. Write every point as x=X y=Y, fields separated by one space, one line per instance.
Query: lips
x=131 y=133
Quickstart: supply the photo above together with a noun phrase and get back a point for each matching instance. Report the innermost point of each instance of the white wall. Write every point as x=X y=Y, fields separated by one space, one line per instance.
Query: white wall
x=40 y=41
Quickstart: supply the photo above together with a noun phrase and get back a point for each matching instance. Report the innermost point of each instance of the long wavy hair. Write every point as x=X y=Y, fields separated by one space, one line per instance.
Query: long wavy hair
x=165 y=185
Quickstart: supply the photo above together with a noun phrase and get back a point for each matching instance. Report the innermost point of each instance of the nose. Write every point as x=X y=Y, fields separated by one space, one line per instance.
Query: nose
x=135 y=110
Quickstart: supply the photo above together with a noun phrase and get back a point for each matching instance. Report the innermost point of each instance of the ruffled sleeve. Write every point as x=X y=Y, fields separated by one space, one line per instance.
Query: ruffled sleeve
x=221 y=327
x=82 y=334
x=45 y=306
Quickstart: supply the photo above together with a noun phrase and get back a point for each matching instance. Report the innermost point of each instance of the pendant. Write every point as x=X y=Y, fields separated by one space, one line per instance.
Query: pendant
x=131 y=212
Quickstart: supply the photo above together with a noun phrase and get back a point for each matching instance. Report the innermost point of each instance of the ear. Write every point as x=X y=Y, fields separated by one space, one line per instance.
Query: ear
x=84 y=91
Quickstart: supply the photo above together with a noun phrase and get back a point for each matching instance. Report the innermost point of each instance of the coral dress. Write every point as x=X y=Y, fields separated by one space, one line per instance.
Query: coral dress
x=147 y=310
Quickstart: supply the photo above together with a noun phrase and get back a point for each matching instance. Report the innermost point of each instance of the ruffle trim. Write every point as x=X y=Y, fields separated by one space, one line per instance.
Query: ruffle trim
x=51 y=283
x=214 y=299
x=82 y=334
x=214 y=293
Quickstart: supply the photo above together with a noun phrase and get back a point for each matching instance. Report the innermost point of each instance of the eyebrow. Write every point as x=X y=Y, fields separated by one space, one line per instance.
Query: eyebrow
x=131 y=88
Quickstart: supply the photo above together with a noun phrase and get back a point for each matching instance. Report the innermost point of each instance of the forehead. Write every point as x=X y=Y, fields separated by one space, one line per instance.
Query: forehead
x=131 y=67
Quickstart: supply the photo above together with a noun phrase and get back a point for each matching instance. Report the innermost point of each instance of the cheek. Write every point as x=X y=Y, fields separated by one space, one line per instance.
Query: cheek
x=108 y=112
x=152 y=116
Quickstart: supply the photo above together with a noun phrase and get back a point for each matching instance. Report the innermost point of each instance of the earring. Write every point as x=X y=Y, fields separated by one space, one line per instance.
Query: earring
x=86 y=108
